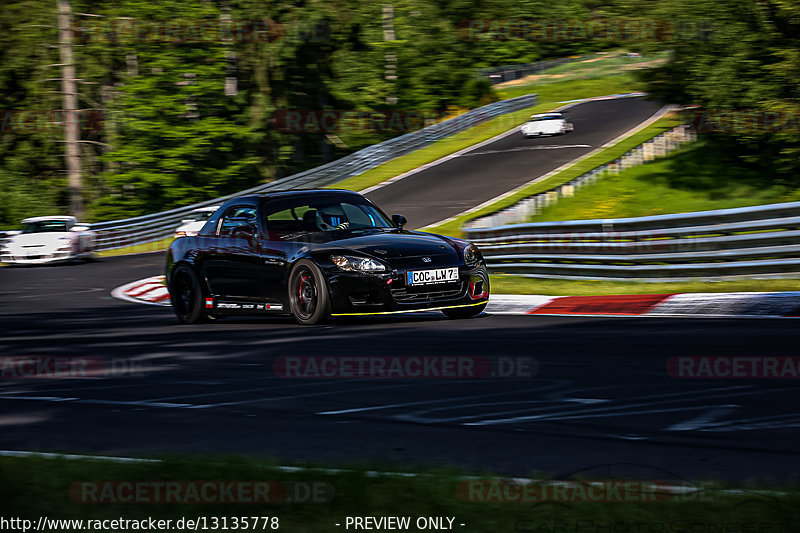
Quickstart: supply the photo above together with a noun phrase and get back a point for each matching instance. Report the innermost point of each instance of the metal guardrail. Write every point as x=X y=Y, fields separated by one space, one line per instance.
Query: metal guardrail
x=149 y=228
x=504 y=73
x=729 y=243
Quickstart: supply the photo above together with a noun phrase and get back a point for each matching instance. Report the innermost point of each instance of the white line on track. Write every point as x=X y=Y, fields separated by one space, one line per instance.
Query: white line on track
x=296 y=396
x=65 y=293
x=138 y=403
x=70 y=456
x=526 y=148
x=621 y=410
x=555 y=398
x=438 y=161
x=513 y=130
x=422 y=402
x=703 y=420
x=762 y=422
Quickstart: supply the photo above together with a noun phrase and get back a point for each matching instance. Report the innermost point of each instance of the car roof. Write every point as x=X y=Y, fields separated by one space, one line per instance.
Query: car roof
x=292 y=193
x=49 y=219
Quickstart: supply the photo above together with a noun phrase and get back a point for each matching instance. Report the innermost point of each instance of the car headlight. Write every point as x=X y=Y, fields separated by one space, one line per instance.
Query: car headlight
x=471 y=255
x=357 y=264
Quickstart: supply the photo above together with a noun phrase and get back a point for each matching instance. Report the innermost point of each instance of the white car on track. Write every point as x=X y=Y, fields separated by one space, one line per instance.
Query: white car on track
x=546 y=124
x=48 y=240
x=195 y=221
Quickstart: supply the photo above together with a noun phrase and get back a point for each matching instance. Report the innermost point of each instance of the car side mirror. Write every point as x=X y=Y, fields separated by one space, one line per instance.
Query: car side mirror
x=399 y=221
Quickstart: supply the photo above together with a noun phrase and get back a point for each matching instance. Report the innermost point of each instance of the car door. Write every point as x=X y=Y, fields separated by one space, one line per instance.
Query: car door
x=283 y=226
x=233 y=266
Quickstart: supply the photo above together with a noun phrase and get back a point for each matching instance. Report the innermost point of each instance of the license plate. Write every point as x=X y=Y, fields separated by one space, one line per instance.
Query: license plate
x=436 y=275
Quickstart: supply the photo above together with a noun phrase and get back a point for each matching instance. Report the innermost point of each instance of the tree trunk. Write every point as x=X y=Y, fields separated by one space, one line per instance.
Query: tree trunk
x=70 y=93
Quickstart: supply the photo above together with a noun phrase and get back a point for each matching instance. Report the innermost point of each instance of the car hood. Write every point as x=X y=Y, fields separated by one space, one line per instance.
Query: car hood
x=544 y=126
x=44 y=240
x=396 y=245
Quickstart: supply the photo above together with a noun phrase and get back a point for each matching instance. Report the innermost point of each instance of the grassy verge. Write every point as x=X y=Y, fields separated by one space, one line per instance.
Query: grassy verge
x=598 y=66
x=155 y=246
x=604 y=156
x=695 y=178
x=509 y=284
x=549 y=96
x=35 y=487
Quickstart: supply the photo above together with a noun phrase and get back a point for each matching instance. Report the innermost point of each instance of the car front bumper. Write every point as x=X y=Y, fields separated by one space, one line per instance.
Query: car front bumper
x=11 y=259
x=364 y=294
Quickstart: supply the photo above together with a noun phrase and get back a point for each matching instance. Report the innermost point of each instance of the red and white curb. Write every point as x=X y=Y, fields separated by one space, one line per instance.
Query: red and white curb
x=698 y=305
x=153 y=291
x=149 y=291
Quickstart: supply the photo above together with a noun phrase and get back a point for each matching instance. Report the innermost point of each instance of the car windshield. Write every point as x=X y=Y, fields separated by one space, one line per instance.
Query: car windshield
x=323 y=220
x=540 y=119
x=46 y=226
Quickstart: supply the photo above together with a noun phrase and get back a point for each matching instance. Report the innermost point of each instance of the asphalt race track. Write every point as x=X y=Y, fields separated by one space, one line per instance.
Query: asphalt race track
x=598 y=393
x=595 y=392
x=452 y=187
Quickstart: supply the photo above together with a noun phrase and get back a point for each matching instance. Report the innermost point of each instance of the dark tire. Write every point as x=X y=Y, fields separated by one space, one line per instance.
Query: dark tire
x=187 y=296
x=464 y=312
x=309 y=300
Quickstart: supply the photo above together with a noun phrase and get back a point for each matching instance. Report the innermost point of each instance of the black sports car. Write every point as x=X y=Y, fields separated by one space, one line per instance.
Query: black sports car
x=317 y=254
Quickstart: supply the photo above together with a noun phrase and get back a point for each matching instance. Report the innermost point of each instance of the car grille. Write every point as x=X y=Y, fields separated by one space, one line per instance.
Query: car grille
x=427 y=293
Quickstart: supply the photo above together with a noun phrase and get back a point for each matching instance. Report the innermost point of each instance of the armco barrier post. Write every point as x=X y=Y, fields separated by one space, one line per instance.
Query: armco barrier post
x=648 y=151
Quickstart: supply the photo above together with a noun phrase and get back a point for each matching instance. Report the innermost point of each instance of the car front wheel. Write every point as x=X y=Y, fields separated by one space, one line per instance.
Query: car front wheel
x=309 y=300
x=186 y=295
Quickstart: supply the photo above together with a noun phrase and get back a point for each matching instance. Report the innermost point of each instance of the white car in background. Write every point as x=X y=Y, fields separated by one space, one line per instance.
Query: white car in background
x=546 y=124
x=48 y=240
x=195 y=221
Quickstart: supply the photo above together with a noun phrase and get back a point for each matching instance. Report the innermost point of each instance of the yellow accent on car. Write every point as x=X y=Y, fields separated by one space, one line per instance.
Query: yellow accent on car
x=408 y=310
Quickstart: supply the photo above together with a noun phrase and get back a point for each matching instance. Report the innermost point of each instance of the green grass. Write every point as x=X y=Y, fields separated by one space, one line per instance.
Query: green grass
x=600 y=67
x=607 y=63
x=604 y=156
x=34 y=487
x=695 y=178
x=549 y=96
x=510 y=284
x=155 y=246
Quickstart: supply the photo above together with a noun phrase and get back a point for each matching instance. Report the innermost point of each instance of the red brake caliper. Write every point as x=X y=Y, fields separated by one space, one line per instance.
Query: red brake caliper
x=300 y=289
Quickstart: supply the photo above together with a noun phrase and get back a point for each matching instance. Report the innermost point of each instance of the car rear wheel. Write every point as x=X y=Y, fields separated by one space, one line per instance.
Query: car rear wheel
x=186 y=295
x=309 y=300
